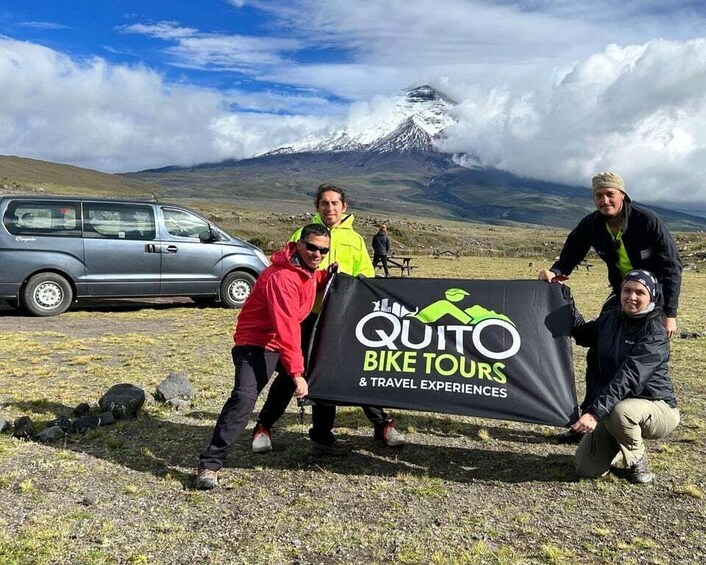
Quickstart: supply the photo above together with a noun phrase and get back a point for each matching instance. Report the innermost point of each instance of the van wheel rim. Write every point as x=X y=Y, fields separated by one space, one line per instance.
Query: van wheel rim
x=239 y=290
x=48 y=295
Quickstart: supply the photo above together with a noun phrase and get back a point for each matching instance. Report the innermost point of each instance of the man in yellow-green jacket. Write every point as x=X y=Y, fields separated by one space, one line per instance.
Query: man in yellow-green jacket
x=349 y=252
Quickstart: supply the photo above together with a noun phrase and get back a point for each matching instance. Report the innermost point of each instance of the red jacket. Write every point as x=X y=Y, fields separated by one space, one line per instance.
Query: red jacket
x=280 y=300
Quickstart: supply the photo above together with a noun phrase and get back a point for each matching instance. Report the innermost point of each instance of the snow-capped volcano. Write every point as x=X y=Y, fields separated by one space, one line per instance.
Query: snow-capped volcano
x=411 y=122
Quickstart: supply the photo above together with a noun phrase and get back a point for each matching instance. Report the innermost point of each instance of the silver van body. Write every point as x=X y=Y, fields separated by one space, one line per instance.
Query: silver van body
x=55 y=250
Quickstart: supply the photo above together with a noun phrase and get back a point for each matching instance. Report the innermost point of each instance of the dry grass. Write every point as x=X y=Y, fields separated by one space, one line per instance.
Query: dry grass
x=464 y=491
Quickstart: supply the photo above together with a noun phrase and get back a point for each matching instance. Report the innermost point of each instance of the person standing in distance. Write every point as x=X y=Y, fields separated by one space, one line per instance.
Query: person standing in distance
x=349 y=252
x=267 y=335
x=626 y=237
x=381 y=248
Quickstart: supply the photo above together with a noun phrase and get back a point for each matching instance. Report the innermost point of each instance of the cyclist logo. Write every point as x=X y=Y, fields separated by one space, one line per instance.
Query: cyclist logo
x=469 y=317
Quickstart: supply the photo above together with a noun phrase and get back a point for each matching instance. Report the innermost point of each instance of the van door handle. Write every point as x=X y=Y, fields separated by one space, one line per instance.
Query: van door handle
x=151 y=248
x=172 y=248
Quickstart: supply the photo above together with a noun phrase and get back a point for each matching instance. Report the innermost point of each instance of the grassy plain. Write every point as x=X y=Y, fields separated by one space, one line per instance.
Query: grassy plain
x=463 y=491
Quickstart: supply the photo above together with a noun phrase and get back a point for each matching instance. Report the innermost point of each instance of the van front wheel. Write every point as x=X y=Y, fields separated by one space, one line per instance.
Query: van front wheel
x=235 y=288
x=47 y=294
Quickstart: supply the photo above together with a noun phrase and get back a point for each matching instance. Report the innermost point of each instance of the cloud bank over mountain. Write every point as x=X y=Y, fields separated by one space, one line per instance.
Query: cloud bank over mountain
x=555 y=90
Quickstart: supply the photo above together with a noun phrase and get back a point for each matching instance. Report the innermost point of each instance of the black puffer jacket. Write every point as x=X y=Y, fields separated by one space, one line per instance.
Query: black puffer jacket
x=647 y=241
x=381 y=244
x=631 y=361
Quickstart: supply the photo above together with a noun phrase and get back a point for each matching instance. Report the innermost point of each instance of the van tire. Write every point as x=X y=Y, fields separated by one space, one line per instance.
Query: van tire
x=47 y=294
x=235 y=288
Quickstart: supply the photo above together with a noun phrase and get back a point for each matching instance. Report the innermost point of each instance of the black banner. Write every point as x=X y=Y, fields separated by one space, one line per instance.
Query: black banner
x=488 y=348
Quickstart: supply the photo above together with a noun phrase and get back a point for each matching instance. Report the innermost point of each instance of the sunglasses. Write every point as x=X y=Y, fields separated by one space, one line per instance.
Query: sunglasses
x=314 y=248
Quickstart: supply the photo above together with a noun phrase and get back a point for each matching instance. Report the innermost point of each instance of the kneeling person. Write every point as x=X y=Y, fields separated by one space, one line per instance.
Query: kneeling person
x=268 y=332
x=633 y=398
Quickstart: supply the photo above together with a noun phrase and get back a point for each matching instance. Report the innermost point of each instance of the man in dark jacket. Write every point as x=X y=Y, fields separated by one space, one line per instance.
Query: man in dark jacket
x=626 y=237
x=381 y=248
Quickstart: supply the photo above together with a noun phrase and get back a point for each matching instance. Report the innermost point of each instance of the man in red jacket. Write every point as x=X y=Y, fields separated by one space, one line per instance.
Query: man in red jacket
x=268 y=331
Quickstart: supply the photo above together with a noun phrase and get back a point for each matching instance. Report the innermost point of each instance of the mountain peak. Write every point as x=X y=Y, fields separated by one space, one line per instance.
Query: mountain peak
x=427 y=93
x=418 y=116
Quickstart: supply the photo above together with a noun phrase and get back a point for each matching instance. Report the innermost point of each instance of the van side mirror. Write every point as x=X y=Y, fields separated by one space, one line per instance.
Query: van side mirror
x=208 y=236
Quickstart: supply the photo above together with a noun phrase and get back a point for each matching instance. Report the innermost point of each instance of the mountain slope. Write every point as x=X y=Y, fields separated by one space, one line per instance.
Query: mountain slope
x=414 y=183
x=21 y=175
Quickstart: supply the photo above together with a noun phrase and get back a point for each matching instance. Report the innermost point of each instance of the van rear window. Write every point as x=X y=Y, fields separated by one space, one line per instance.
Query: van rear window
x=37 y=217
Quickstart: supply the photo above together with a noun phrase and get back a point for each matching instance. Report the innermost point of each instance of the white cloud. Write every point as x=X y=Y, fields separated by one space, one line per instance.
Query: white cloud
x=210 y=51
x=640 y=110
x=120 y=118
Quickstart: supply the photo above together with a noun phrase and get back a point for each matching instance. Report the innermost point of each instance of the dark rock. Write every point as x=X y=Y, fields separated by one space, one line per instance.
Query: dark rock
x=176 y=385
x=85 y=423
x=690 y=335
x=82 y=409
x=52 y=433
x=89 y=500
x=123 y=400
x=4 y=425
x=106 y=418
x=64 y=423
x=24 y=428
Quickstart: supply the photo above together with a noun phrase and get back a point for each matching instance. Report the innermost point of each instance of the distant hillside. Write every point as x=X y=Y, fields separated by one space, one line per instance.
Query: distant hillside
x=21 y=175
x=416 y=183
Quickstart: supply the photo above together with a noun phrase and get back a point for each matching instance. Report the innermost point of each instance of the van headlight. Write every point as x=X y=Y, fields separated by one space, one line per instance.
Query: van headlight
x=262 y=257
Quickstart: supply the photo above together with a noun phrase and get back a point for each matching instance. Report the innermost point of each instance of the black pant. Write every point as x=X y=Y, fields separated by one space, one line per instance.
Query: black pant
x=253 y=367
x=323 y=416
x=383 y=259
x=282 y=388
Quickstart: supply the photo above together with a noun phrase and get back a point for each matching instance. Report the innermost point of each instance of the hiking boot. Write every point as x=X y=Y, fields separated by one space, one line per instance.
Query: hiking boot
x=335 y=449
x=261 y=442
x=569 y=436
x=389 y=435
x=206 y=479
x=639 y=472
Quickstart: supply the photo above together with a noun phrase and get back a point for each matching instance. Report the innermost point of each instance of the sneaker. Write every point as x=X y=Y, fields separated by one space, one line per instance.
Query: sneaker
x=335 y=449
x=639 y=472
x=390 y=435
x=261 y=442
x=206 y=479
x=569 y=436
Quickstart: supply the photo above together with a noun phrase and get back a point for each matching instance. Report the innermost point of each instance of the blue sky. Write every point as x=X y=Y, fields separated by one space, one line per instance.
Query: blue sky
x=555 y=89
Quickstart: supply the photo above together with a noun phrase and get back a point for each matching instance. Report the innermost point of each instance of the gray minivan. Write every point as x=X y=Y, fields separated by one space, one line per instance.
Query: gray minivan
x=55 y=250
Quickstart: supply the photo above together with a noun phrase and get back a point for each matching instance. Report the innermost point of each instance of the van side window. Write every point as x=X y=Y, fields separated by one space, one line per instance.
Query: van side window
x=48 y=217
x=183 y=224
x=118 y=221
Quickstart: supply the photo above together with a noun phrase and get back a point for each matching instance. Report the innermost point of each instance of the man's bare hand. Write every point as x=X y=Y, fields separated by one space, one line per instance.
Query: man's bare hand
x=545 y=275
x=670 y=325
x=302 y=388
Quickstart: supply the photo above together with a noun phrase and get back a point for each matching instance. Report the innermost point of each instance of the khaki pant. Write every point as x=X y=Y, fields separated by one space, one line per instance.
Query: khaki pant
x=618 y=439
